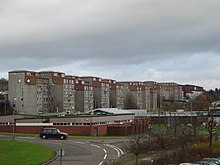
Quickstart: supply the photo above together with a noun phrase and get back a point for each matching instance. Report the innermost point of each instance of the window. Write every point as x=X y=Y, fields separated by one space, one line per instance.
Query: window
x=28 y=73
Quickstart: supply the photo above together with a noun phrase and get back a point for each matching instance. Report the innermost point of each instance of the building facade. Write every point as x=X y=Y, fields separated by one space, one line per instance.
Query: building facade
x=101 y=91
x=41 y=92
x=54 y=92
x=191 y=91
x=151 y=95
x=84 y=96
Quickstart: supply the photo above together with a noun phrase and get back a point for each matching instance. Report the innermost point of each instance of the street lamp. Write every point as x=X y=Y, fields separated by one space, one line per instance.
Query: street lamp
x=13 y=127
x=5 y=107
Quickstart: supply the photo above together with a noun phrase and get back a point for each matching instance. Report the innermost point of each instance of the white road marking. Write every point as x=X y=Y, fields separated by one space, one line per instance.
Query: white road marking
x=105 y=156
x=95 y=146
x=101 y=163
x=80 y=142
x=120 y=150
x=105 y=153
x=117 y=149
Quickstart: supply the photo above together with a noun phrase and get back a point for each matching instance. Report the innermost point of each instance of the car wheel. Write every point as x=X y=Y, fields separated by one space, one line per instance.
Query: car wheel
x=62 y=137
x=44 y=137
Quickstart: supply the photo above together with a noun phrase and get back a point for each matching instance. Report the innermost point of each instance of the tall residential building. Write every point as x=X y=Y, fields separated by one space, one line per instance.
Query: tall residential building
x=112 y=94
x=62 y=90
x=44 y=99
x=151 y=95
x=41 y=92
x=84 y=95
x=28 y=92
x=101 y=91
x=120 y=96
x=133 y=94
x=33 y=92
x=169 y=91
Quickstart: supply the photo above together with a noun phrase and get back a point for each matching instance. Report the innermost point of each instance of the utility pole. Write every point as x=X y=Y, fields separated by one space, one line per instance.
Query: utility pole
x=13 y=126
x=5 y=107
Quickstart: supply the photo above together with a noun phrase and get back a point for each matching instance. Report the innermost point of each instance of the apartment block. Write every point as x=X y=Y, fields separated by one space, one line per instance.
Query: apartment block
x=112 y=94
x=169 y=91
x=151 y=95
x=84 y=95
x=133 y=94
x=120 y=96
x=41 y=92
x=62 y=91
x=48 y=91
x=101 y=91
x=27 y=92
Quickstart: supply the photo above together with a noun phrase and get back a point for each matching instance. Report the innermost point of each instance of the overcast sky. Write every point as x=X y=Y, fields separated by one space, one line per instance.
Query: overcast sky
x=126 y=40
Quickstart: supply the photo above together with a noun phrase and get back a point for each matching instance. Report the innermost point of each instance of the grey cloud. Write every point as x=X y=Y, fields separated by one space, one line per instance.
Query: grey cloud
x=139 y=39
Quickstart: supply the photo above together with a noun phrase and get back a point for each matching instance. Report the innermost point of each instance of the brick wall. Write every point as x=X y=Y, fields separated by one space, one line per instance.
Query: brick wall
x=71 y=130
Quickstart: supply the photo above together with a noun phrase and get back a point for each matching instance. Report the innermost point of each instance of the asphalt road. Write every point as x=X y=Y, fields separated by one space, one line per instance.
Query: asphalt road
x=79 y=152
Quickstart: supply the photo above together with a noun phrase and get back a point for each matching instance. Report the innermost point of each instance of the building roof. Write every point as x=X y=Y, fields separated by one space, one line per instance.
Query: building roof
x=109 y=111
x=138 y=112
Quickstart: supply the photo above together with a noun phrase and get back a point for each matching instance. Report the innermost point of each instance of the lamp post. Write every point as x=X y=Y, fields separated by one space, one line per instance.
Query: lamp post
x=5 y=107
x=13 y=127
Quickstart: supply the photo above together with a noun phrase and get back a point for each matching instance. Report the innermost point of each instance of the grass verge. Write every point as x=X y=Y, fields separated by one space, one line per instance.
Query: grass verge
x=24 y=153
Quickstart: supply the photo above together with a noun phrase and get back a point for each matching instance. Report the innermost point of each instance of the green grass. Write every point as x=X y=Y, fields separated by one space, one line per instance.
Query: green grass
x=23 y=153
x=19 y=134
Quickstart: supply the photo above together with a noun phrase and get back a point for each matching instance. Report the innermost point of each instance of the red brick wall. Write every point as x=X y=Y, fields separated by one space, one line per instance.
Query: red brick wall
x=75 y=130
x=119 y=131
x=4 y=128
x=71 y=130
x=28 y=129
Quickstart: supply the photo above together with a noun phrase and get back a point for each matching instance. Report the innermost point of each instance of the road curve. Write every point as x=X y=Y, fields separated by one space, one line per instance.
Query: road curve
x=80 y=152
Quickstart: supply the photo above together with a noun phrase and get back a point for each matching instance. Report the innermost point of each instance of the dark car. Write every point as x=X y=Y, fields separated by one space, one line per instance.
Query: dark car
x=214 y=160
x=204 y=162
x=52 y=133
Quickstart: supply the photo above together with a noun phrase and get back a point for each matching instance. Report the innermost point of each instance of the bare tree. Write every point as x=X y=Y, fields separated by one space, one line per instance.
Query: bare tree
x=129 y=101
x=53 y=106
x=136 y=145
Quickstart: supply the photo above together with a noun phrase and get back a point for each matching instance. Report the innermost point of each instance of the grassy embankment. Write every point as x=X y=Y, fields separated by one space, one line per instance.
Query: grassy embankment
x=24 y=153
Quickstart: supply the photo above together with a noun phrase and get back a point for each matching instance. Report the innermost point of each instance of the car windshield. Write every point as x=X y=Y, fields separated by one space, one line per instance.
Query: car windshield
x=215 y=160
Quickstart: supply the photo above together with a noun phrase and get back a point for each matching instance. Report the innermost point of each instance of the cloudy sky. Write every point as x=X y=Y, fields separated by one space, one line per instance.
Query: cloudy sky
x=158 y=40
